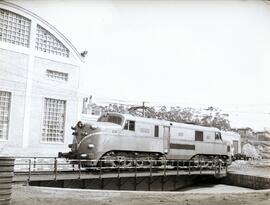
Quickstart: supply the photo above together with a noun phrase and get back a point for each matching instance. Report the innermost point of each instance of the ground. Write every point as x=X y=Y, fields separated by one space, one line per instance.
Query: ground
x=252 y=167
x=43 y=196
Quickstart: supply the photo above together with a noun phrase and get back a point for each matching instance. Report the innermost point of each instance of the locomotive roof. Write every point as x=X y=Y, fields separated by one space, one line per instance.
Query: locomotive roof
x=165 y=122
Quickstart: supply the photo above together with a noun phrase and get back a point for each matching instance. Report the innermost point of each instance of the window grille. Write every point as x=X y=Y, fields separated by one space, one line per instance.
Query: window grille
x=48 y=43
x=53 y=120
x=198 y=136
x=4 y=114
x=57 y=75
x=14 y=28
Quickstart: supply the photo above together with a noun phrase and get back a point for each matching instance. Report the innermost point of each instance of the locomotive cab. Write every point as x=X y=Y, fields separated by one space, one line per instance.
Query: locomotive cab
x=87 y=136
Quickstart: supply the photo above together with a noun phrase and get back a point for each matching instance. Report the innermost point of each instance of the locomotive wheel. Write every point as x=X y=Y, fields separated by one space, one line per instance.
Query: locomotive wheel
x=205 y=162
x=117 y=160
x=122 y=163
x=130 y=160
x=128 y=165
x=139 y=164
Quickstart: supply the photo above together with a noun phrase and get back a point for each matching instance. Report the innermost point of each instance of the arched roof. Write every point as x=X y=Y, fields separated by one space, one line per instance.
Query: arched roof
x=48 y=26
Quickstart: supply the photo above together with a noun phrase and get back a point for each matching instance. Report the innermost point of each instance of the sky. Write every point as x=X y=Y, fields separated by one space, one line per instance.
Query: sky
x=189 y=53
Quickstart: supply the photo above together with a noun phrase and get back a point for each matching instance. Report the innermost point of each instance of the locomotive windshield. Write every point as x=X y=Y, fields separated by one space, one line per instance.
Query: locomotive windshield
x=110 y=118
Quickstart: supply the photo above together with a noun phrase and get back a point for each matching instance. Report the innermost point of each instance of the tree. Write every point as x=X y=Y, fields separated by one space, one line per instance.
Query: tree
x=210 y=116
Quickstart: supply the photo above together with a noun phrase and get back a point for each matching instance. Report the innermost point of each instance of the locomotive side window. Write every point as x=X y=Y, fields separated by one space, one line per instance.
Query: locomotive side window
x=156 y=131
x=126 y=126
x=130 y=125
x=218 y=136
x=110 y=118
x=198 y=136
x=115 y=120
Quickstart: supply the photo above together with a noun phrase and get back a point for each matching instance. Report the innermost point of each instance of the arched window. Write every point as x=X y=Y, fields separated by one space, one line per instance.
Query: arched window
x=14 y=28
x=48 y=43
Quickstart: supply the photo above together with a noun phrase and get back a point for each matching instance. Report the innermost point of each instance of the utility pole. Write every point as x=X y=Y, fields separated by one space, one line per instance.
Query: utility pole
x=143 y=107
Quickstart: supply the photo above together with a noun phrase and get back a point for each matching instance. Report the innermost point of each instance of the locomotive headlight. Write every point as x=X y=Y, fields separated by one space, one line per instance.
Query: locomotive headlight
x=83 y=155
x=80 y=124
x=93 y=127
x=84 y=134
x=91 y=146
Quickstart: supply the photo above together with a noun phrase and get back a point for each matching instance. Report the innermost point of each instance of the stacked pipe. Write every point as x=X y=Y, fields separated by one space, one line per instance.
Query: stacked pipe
x=6 y=176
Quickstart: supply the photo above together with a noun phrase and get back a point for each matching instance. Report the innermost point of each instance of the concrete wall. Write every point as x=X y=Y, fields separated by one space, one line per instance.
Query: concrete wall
x=44 y=87
x=248 y=181
x=13 y=72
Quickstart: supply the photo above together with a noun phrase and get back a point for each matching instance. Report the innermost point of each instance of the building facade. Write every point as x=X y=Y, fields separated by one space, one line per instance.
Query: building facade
x=39 y=81
x=263 y=135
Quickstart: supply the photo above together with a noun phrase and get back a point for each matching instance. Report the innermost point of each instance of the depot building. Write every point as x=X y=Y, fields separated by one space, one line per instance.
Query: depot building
x=39 y=79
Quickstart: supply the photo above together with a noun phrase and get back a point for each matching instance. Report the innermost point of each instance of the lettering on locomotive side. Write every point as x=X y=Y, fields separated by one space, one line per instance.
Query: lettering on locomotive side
x=182 y=146
x=145 y=130
x=180 y=134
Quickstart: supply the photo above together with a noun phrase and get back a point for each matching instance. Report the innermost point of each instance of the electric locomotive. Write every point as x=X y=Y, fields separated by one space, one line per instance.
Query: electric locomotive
x=123 y=137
